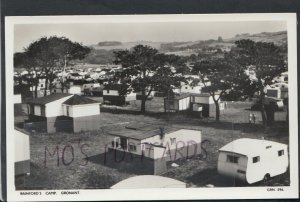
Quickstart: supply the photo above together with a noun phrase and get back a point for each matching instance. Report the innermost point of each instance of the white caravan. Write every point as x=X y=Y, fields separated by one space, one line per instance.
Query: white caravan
x=252 y=160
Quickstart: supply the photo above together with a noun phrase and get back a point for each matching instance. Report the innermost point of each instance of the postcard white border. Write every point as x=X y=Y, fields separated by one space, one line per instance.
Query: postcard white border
x=158 y=194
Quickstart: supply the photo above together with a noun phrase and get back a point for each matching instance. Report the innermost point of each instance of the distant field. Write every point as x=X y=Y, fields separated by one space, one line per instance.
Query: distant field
x=128 y=45
x=182 y=53
x=196 y=172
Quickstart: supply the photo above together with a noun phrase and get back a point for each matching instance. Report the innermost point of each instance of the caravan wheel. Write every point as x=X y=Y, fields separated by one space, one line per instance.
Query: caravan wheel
x=266 y=178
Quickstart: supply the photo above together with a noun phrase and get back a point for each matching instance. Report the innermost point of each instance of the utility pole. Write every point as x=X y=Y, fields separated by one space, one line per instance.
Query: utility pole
x=65 y=65
x=63 y=74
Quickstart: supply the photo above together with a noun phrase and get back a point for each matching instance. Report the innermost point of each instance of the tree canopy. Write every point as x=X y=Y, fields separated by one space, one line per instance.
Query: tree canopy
x=221 y=77
x=53 y=52
x=146 y=70
x=265 y=60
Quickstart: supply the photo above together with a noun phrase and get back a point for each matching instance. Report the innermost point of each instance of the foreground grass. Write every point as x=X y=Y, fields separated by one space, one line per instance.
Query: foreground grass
x=77 y=172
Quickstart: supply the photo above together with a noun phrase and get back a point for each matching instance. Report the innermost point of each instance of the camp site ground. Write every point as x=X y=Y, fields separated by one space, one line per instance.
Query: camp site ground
x=82 y=162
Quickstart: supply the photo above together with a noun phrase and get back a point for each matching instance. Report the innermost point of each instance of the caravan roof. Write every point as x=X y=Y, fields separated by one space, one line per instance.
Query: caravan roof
x=149 y=181
x=251 y=147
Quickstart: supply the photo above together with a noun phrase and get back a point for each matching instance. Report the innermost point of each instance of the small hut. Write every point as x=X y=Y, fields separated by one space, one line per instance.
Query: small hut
x=207 y=103
x=177 y=103
x=113 y=94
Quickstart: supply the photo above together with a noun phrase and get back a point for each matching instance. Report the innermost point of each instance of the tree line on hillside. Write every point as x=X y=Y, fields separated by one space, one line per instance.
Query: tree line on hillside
x=146 y=69
x=99 y=56
x=181 y=46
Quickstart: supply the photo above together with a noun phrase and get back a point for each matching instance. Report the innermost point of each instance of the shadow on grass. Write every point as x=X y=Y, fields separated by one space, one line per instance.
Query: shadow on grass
x=124 y=162
x=95 y=180
x=160 y=115
x=211 y=176
x=38 y=179
x=116 y=110
x=206 y=122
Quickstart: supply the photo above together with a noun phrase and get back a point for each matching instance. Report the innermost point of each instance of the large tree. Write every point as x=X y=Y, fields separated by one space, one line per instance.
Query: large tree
x=145 y=70
x=54 y=52
x=266 y=60
x=22 y=60
x=220 y=77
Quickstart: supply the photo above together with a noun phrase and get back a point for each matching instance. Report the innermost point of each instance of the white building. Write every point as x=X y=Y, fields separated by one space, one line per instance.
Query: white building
x=75 y=76
x=64 y=112
x=156 y=144
x=74 y=90
x=17 y=99
x=22 y=152
x=278 y=90
x=41 y=85
x=112 y=95
x=90 y=86
x=283 y=78
x=188 y=88
x=177 y=103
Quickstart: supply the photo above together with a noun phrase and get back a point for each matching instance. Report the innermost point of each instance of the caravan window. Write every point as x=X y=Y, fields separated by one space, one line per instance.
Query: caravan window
x=256 y=159
x=132 y=147
x=280 y=152
x=232 y=159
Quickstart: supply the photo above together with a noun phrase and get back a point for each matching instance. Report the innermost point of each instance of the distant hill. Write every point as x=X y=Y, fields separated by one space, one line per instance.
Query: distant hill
x=192 y=47
x=102 y=53
x=278 y=38
x=109 y=43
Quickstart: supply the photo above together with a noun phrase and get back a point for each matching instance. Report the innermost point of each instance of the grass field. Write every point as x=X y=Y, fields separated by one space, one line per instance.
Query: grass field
x=76 y=171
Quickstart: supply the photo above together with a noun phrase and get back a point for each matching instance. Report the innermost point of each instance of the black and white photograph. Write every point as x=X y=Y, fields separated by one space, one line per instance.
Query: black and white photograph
x=161 y=102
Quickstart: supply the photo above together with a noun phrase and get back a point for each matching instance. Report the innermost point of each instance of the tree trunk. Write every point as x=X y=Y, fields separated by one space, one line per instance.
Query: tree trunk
x=62 y=87
x=20 y=80
x=50 y=83
x=46 y=86
x=35 y=90
x=217 y=111
x=263 y=113
x=143 y=103
x=63 y=75
x=262 y=108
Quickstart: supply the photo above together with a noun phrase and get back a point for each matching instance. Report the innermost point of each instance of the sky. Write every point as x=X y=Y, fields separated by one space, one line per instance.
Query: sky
x=92 y=33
